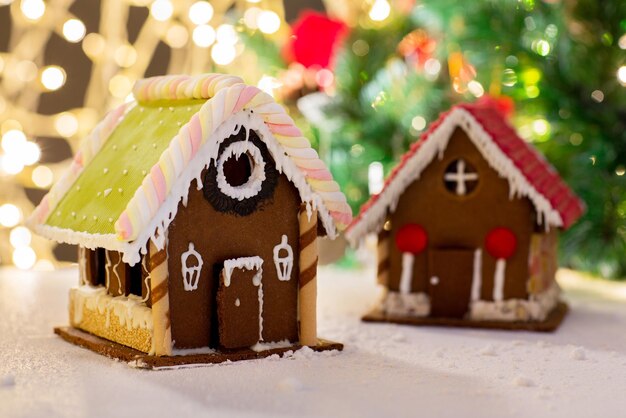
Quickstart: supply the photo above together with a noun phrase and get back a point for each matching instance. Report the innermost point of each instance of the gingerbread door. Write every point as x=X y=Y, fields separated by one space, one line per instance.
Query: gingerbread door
x=240 y=303
x=450 y=281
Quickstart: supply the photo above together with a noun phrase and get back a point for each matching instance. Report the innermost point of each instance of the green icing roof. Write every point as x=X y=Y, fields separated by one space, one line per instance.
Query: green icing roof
x=109 y=181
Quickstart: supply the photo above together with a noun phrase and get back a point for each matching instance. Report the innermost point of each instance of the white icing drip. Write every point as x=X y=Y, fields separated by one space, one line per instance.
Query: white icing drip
x=498 y=280
x=244 y=263
x=237 y=302
x=406 y=277
x=189 y=271
x=284 y=265
x=259 y=347
x=248 y=263
x=254 y=184
x=111 y=267
x=107 y=269
x=477 y=275
x=167 y=211
x=130 y=310
x=536 y=308
x=436 y=145
x=411 y=304
x=144 y=266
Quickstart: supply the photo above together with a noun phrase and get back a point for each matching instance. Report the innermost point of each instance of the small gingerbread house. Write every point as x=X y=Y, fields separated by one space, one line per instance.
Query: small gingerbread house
x=467 y=227
x=196 y=208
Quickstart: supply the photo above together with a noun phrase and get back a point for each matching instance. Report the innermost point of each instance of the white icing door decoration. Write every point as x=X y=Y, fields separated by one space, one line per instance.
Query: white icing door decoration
x=190 y=270
x=283 y=263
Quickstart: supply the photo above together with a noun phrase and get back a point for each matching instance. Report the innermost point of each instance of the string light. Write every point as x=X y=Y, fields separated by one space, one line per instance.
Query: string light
x=203 y=36
x=269 y=84
x=66 y=124
x=20 y=236
x=10 y=215
x=53 y=77
x=30 y=153
x=24 y=258
x=268 y=22
x=223 y=54
x=125 y=55
x=33 y=9
x=42 y=176
x=74 y=30
x=13 y=141
x=161 y=10
x=380 y=10
x=177 y=36
x=200 y=12
x=418 y=123
x=621 y=75
x=120 y=86
x=226 y=34
x=251 y=16
x=26 y=71
x=475 y=88
x=93 y=45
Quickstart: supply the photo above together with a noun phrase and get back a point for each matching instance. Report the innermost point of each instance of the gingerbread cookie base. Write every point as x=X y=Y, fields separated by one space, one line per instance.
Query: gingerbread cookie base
x=142 y=360
x=550 y=324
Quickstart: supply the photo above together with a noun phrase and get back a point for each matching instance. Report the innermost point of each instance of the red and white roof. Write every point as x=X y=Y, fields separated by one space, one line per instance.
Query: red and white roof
x=527 y=171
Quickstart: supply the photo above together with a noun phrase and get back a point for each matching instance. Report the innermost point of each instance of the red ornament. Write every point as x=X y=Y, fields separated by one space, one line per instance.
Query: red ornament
x=501 y=242
x=411 y=238
x=315 y=40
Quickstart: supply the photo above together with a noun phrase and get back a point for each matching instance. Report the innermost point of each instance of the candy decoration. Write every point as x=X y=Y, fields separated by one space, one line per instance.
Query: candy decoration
x=307 y=306
x=501 y=243
x=411 y=239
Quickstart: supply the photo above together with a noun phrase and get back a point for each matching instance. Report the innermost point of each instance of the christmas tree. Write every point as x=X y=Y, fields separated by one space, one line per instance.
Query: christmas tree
x=557 y=68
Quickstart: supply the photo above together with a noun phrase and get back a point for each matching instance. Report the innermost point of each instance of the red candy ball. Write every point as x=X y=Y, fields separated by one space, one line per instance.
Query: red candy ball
x=411 y=238
x=500 y=242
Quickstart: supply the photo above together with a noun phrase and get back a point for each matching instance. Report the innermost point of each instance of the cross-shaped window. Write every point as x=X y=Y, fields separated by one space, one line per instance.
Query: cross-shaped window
x=460 y=177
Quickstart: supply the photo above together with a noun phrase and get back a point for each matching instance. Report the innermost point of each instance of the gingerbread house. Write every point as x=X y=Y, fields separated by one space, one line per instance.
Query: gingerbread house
x=467 y=228
x=196 y=208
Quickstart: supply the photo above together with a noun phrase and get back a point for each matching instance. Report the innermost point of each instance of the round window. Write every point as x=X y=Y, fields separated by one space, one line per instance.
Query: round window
x=460 y=178
x=242 y=177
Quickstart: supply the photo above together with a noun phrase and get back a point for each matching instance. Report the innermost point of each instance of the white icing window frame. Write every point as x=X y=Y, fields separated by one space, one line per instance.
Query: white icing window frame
x=284 y=265
x=191 y=275
x=254 y=183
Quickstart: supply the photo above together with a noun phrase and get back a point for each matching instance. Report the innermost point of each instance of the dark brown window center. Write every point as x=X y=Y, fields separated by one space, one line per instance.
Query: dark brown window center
x=238 y=169
x=460 y=178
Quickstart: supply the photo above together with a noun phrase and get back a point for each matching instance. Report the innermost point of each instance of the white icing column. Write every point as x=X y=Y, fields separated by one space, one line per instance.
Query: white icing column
x=406 y=276
x=477 y=275
x=498 y=280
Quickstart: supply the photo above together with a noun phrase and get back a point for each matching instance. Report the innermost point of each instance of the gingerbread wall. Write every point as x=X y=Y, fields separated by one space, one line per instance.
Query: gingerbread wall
x=455 y=222
x=219 y=235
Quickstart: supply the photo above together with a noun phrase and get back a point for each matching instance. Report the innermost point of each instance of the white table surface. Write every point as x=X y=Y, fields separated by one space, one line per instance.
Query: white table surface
x=385 y=370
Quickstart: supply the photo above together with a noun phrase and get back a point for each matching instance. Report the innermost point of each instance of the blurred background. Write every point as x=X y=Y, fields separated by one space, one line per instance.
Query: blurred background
x=362 y=78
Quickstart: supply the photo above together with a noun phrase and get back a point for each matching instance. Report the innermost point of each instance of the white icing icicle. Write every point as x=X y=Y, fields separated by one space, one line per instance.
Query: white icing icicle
x=477 y=276
x=498 y=280
x=406 y=276
x=248 y=263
